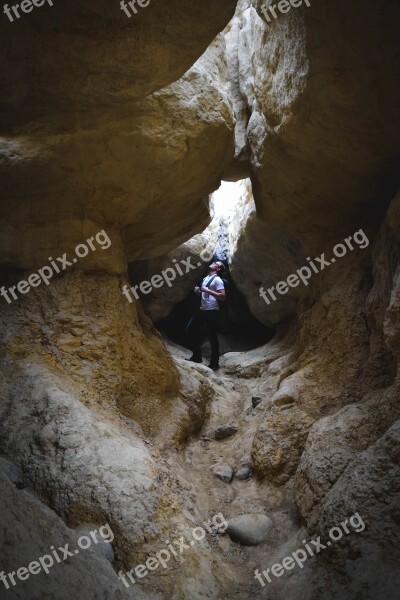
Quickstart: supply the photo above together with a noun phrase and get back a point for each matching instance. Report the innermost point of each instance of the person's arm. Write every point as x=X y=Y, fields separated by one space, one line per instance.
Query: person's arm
x=197 y=290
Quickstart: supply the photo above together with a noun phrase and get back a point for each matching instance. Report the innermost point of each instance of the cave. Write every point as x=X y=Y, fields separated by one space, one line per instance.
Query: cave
x=171 y=307
x=136 y=151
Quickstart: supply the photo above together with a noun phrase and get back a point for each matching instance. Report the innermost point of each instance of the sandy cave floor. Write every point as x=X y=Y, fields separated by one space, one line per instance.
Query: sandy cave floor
x=232 y=403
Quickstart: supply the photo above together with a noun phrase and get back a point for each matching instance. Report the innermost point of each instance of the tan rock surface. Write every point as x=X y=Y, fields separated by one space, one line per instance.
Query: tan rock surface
x=279 y=444
x=260 y=255
x=75 y=57
x=151 y=163
x=198 y=251
x=322 y=134
x=343 y=366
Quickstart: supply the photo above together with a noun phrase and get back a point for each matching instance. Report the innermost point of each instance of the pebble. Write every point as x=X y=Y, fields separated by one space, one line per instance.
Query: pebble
x=243 y=473
x=225 y=431
x=223 y=472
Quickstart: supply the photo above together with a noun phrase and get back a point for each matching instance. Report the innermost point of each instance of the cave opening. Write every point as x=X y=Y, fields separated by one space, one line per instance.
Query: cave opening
x=171 y=307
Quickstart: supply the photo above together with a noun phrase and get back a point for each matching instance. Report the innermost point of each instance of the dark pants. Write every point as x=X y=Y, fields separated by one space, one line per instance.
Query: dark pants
x=204 y=325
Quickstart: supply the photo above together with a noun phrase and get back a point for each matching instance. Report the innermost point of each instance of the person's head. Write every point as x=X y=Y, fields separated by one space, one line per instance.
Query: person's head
x=217 y=266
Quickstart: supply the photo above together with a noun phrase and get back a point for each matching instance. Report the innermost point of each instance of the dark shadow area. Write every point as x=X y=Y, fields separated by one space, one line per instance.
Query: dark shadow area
x=239 y=330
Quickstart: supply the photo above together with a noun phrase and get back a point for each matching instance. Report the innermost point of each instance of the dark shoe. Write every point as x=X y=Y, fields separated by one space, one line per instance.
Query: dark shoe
x=213 y=366
x=195 y=359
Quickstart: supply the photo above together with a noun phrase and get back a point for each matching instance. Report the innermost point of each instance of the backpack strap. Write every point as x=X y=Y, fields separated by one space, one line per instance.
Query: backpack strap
x=211 y=280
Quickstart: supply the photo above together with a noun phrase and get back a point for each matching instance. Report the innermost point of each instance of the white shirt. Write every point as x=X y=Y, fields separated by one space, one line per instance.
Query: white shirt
x=208 y=302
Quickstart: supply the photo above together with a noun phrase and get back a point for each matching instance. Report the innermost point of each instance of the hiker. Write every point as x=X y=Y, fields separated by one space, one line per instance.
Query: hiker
x=205 y=323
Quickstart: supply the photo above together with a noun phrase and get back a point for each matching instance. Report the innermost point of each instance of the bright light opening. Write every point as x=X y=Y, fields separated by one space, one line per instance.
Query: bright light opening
x=230 y=196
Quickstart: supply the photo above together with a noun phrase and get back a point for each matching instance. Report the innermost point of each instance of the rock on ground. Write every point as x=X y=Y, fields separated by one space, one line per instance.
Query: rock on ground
x=249 y=530
x=243 y=473
x=223 y=472
x=225 y=431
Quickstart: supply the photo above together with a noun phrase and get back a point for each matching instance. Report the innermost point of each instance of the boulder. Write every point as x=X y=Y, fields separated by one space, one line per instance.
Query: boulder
x=249 y=530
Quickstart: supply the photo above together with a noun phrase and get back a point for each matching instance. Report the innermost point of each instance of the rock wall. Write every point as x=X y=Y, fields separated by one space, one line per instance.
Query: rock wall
x=89 y=393
x=258 y=255
x=35 y=529
x=89 y=396
x=321 y=137
x=322 y=165
x=153 y=161
x=333 y=420
x=184 y=266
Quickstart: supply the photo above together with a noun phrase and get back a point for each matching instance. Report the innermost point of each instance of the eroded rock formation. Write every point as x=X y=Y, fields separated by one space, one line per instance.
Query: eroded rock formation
x=322 y=155
x=130 y=132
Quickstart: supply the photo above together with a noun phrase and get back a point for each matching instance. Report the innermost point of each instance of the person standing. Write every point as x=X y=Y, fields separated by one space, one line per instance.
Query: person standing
x=205 y=323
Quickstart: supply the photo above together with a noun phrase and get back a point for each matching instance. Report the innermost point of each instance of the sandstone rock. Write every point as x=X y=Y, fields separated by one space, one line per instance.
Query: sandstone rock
x=311 y=105
x=193 y=409
x=368 y=489
x=86 y=463
x=391 y=321
x=249 y=530
x=341 y=469
x=224 y=431
x=249 y=236
x=334 y=442
x=232 y=33
x=199 y=138
x=368 y=517
x=289 y=392
x=117 y=356
x=120 y=59
x=160 y=301
x=200 y=141
x=280 y=72
x=279 y=443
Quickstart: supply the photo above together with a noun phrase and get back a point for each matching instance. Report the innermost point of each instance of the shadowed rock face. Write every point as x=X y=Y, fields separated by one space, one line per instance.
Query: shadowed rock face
x=322 y=125
x=75 y=56
x=338 y=432
x=326 y=113
x=130 y=168
x=160 y=301
x=36 y=528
